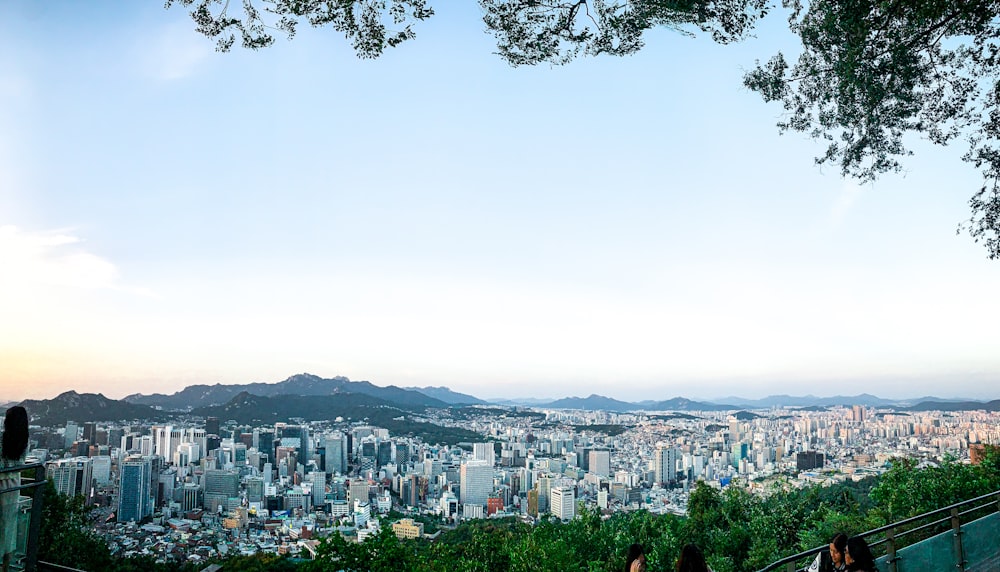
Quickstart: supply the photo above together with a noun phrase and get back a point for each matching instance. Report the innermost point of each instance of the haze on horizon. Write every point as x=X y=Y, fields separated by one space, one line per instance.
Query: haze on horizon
x=633 y=227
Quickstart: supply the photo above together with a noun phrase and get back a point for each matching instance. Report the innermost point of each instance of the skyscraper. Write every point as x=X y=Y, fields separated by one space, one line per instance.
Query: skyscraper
x=134 y=498
x=600 y=462
x=71 y=477
x=336 y=453
x=484 y=452
x=476 y=482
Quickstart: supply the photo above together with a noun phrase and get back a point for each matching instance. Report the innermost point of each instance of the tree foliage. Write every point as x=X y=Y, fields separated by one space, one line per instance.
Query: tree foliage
x=370 y=25
x=873 y=72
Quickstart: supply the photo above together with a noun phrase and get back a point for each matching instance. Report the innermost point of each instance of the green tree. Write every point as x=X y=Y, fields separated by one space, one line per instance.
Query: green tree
x=871 y=74
x=874 y=72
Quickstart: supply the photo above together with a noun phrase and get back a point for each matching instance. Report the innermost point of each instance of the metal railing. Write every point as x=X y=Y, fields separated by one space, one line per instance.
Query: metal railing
x=892 y=537
x=35 y=487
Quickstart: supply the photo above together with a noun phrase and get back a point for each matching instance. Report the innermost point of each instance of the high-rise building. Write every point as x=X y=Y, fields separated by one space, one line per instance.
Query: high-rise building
x=71 y=477
x=192 y=497
x=476 y=482
x=484 y=452
x=563 y=503
x=665 y=466
x=384 y=454
x=336 y=453
x=71 y=434
x=212 y=426
x=600 y=462
x=318 y=479
x=134 y=496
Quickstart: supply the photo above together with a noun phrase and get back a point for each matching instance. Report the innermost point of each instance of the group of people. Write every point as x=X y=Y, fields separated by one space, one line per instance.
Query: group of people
x=843 y=555
x=690 y=560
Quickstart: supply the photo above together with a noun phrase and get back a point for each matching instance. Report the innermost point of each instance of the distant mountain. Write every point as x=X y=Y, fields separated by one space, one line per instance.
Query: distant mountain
x=807 y=401
x=522 y=401
x=246 y=407
x=253 y=409
x=683 y=404
x=954 y=406
x=82 y=407
x=195 y=396
x=448 y=396
x=593 y=403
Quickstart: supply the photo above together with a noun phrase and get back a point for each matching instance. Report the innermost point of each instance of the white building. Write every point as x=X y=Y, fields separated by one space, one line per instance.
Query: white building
x=563 y=501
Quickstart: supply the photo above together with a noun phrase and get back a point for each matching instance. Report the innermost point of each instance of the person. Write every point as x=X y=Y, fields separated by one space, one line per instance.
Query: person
x=12 y=447
x=635 y=554
x=832 y=559
x=858 y=556
x=692 y=560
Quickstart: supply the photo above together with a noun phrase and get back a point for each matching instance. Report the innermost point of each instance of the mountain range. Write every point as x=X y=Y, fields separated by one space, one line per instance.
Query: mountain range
x=313 y=397
x=83 y=407
x=194 y=396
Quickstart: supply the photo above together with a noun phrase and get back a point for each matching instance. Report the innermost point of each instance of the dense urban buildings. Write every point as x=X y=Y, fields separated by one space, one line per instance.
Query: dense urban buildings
x=220 y=486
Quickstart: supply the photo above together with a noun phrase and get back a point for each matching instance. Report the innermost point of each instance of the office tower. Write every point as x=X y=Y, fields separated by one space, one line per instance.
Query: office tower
x=101 y=470
x=358 y=491
x=186 y=454
x=134 y=496
x=192 y=497
x=384 y=454
x=71 y=434
x=71 y=477
x=336 y=453
x=809 y=460
x=563 y=503
x=212 y=426
x=411 y=496
x=402 y=453
x=255 y=489
x=318 y=479
x=484 y=452
x=90 y=432
x=544 y=486
x=220 y=486
x=166 y=483
x=600 y=462
x=476 y=482
x=665 y=466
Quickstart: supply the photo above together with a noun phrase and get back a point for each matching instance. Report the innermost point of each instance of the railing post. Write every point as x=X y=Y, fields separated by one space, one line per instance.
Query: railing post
x=890 y=549
x=790 y=567
x=35 y=524
x=956 y=529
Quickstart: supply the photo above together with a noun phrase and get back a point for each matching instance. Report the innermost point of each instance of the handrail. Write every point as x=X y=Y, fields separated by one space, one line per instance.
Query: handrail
x=35 y=522
x=892 y=527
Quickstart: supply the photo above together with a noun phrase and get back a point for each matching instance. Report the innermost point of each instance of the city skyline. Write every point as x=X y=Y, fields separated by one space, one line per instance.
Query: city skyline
x=626 y=227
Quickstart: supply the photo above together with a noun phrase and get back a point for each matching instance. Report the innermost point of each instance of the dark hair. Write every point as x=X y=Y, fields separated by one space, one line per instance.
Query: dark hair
x=634 y=552
x=15 y=433
x=861 y=555
x=691 y=560
x=839 y=541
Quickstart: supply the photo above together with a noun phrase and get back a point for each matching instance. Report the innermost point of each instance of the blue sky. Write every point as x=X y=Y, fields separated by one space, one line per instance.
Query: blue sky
x=633 y=227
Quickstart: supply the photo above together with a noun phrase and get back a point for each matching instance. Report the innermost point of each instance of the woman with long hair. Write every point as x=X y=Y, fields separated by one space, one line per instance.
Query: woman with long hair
x=692 y=560
x=12 y=447
x=858 y=556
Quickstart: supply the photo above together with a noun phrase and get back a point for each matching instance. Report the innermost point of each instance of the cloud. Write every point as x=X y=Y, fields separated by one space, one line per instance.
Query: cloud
x=54 y=259
x=51 y=258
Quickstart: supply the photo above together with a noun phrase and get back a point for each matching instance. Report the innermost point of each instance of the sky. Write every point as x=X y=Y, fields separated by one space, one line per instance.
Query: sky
x=632 y=227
